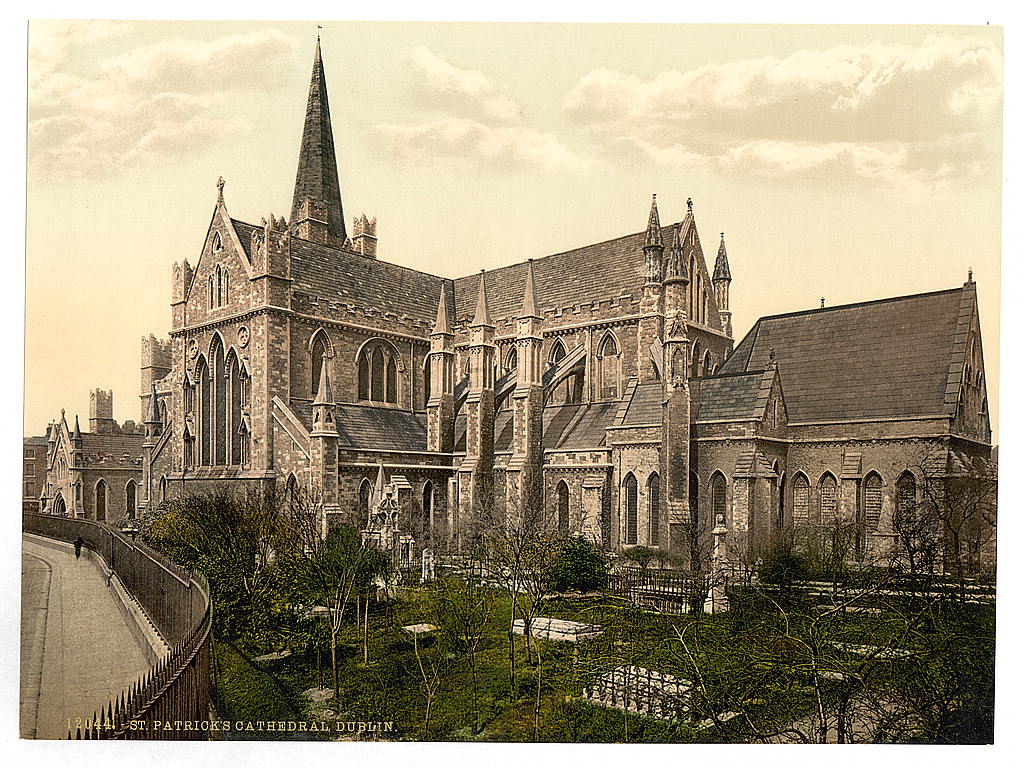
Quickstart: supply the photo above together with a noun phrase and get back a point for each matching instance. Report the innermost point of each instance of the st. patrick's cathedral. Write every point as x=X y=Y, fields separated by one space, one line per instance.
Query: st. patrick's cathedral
x=603 y=383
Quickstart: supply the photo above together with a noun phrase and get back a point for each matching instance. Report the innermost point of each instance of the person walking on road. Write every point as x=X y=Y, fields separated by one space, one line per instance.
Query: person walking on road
x=78 y=547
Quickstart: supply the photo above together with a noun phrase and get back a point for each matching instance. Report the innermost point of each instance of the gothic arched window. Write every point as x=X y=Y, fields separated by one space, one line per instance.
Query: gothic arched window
x=101 y=501
x=428 y=505
x=872 y=501
x=205 y=411
x=163 y=488
x=828 y=499
x=654 y=509
x=718 y=505
x=608 y=368
x=906 y=499
x=318 y=350
x=378 y=373
x=365 y=496
x=220 y=403
x=562 y=504
x=801 y=501
x=130 y=494
x=630 y=501
x=695 y=360
x=511 y=359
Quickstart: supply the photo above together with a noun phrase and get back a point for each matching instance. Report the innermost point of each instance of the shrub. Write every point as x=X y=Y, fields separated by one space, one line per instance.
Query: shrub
x=579 y=565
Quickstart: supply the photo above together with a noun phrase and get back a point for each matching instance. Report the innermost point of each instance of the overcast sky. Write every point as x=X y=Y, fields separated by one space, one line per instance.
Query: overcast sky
x=850 y=163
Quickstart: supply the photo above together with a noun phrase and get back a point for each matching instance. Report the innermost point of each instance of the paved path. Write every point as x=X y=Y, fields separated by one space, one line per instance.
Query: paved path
x=77 y=651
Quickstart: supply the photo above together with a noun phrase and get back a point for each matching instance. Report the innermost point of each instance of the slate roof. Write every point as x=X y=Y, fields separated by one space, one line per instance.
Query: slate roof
x=112 y=450
x=645 y=405
x=362 y=427
x=565 y=426
x=352 y=278
x=878 y=359
x=736 y=396
x=597 y=272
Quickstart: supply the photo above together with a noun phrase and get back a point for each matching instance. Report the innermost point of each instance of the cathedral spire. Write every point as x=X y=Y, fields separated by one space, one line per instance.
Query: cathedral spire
x=529 y=299
x=316 y=201
x=483 y=314
x=442 y=324
x=653 y=237
x=722 y=263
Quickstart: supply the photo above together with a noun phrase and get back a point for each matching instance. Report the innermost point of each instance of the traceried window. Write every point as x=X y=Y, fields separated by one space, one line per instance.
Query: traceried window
x=378 y=373
x=365 y=496
x=629 y=492
x=828 y=500
x=654 y=509
x=872 y=501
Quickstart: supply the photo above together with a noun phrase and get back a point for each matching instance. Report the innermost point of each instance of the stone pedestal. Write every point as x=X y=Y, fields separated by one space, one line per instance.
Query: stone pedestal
x=717 y=600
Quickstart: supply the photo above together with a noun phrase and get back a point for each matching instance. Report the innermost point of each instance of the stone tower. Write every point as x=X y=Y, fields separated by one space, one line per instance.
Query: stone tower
x=101 y=411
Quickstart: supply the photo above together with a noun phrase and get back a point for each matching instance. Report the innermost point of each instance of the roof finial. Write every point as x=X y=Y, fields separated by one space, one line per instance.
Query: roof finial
x=822 y=302
x=220 y=189
x=771 y=357
x=970 y=274
x=689 y=205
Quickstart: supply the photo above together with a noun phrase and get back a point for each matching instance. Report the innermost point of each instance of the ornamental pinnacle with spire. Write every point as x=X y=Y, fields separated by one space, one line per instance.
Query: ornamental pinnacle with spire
x=482 y=317
x=323 y=405
x=654 y=246
x=529 y=300
x=442 y=326
x=316 y=202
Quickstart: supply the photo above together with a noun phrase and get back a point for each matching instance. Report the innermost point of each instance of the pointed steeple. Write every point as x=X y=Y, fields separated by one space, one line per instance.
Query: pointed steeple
x=77 y=434
x=317 y=196
x=442 y=325
x=482 y=315
x=324 y=392
x=722 y=263
x=529 y=299
x=653 y=236
x=675 y=264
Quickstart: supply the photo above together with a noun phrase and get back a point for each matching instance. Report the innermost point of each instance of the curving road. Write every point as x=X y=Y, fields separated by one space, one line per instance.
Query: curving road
x=77 y=652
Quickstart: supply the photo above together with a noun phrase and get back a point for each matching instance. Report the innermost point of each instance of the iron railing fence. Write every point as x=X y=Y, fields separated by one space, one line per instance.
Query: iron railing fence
x=172 y=699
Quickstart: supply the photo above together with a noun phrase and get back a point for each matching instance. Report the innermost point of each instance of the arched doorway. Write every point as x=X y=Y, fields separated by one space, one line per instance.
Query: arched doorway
x=101 y=501
x=59 y=507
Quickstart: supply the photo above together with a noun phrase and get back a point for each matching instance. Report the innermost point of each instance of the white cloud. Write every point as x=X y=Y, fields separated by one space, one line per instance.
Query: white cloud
x=466 y=90
x=147 y=104
x=469 y=142
x=469 y=122
x=881 y=113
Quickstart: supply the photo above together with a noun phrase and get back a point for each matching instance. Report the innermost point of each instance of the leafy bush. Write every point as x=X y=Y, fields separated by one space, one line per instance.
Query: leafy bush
x=578 y=566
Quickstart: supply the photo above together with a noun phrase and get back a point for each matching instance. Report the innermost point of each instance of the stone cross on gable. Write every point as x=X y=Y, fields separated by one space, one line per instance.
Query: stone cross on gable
x=220 y=189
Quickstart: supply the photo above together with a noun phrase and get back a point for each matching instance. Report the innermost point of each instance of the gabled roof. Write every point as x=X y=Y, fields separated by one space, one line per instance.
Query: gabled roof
x=889 y=358
x=333 y=274
x=597 y=272
x=365 y=427
x=117 y=450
